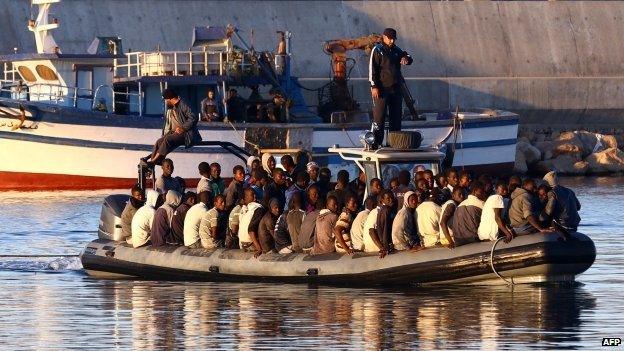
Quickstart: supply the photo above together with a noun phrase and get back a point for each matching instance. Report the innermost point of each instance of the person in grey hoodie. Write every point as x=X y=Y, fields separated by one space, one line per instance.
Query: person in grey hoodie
x=522 y=211
x=161 y=227
x=404 y=233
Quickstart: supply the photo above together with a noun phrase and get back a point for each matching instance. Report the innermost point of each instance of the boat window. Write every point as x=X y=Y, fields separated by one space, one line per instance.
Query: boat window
x=391 y=170
x=26 y=74
x=46 y=72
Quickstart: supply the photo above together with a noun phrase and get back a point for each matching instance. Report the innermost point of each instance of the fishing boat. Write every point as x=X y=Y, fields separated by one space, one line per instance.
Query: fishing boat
x=525 y=259
x=61 y=111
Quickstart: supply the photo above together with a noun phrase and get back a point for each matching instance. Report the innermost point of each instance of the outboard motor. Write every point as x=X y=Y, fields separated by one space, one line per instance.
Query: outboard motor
x=110 y=217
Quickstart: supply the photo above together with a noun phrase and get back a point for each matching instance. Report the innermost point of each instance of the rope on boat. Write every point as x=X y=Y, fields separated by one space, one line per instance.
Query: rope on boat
x=36 y=256
x=509 y=282
x=256 y=146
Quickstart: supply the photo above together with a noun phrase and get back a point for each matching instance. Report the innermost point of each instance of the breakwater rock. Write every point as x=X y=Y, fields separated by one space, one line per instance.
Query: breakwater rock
x=570 y=152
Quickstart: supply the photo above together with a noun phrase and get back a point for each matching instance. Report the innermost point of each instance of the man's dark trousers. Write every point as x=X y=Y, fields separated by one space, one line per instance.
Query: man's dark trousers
x=168 y=143
x=392 y=100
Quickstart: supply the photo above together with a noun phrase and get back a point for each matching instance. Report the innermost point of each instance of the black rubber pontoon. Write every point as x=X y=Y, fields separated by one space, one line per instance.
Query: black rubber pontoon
x=531 y=258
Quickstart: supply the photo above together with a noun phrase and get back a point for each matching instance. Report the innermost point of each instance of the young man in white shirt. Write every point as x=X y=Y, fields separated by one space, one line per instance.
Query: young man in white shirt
x=428 y=221
x=492 y=216
x=193 y=220
x=357 y=227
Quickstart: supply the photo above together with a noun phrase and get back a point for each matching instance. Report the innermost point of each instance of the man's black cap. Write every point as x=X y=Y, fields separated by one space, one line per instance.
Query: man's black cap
x=390 y=33
x=169 y=94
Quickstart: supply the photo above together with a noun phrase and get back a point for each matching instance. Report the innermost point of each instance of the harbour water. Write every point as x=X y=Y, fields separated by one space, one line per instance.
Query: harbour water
x=49 y=303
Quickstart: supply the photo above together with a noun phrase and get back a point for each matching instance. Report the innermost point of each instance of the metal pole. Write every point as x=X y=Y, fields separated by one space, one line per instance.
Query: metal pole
x=139 y=65
x=190 y=63
x=221 y=64
x=205 y=63
x=175 y=63
x=225 y=106
x=140 y=100
x=113 y=95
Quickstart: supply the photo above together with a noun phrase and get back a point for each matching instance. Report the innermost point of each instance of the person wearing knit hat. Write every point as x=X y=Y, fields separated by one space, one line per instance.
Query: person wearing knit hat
x=313 y=170
x=386 y=80
x=551 y=178
x=180 y=129
x=250 y=163
x=562 y=206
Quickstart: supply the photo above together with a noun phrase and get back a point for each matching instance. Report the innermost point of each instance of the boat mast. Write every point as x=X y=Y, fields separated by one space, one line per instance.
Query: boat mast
x=42 y=25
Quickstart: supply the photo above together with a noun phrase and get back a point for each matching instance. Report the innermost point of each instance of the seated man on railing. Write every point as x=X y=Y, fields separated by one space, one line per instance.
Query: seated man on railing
x=180 y=128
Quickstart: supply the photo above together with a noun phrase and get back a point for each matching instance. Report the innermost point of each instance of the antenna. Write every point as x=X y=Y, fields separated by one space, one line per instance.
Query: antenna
x=43 y=39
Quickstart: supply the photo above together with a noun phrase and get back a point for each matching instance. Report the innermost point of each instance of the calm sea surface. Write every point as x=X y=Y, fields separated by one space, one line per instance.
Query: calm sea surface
x=49 y=303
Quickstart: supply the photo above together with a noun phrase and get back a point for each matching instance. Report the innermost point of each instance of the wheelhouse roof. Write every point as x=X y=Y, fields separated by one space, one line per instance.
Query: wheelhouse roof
x=57 y=57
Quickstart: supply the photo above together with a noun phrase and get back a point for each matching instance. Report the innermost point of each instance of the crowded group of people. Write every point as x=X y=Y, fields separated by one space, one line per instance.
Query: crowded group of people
x=297 y=208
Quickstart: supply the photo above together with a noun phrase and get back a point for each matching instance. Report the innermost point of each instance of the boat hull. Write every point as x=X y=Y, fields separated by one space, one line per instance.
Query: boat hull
x=533 y=258
x=61 y=148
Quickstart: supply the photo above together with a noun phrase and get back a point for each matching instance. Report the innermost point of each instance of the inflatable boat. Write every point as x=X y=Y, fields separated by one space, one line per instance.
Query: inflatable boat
x=526 y=259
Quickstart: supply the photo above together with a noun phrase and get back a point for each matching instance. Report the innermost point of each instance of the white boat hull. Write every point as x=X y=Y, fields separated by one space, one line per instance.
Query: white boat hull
x=103 y=151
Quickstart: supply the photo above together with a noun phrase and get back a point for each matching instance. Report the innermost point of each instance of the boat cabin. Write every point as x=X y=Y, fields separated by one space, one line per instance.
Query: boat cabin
x=106 y=79
x=386 y=163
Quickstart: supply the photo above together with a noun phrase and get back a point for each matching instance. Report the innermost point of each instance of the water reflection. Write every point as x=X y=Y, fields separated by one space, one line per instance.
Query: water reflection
x=245 y=316
x=68 y=310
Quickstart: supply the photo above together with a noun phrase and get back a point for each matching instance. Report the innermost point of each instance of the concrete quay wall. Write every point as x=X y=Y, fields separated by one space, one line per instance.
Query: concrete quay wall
x=553 y=62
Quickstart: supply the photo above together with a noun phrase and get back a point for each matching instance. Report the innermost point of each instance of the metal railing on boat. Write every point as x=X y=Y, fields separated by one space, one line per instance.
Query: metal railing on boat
x=144 y=170
x=64 y=95
x=180 y=63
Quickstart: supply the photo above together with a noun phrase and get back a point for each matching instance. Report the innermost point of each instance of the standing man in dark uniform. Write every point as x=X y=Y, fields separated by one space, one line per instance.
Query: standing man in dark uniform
x=180 y=128
x=384 y=74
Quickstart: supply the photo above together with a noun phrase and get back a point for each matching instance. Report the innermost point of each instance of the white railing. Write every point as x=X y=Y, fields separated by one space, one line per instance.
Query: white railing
x=181 y=63
x=10 y=72
x=71 y=96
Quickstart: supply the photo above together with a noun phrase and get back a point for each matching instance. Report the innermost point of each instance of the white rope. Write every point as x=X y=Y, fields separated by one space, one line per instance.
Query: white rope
x=256 y=146
x=492 y=264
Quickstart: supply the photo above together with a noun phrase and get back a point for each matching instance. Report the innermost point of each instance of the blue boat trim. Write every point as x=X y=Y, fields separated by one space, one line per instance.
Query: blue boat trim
x=102 y=144
x=142 y=147
x=69 y=115
x=469 y=145
x=486 y=143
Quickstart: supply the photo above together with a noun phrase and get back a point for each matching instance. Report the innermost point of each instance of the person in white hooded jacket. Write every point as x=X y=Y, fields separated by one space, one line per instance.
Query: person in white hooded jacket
x=142 y=220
